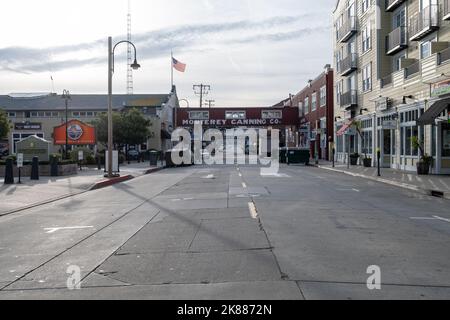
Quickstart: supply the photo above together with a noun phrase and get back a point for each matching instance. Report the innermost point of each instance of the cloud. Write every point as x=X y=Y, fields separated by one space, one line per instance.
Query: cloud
x=158 y=43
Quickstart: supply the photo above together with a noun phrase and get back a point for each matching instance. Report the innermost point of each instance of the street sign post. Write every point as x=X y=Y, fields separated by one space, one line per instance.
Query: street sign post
x=20 y=165
x=80 y=157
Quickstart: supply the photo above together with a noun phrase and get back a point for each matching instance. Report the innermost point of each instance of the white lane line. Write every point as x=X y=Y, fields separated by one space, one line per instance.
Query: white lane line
x=240 y=175
x=253 y=211
x=422 y=218
x=356 y=190
x=53 y=230
x=244 y=185
x=442 y=219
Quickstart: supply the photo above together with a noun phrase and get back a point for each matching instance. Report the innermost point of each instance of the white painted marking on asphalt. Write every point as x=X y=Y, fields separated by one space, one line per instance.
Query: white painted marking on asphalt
x=240 y=175
x=253 y=211
x=442 y=219
x=244 y=185
x=422 y=218
x=356 y=190
x=53 y=230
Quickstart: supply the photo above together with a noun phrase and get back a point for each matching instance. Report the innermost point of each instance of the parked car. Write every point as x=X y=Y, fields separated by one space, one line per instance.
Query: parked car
x=133 y=155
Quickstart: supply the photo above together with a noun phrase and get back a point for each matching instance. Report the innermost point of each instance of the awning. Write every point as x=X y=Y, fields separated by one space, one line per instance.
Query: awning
x=342 y=130
x=433 y=112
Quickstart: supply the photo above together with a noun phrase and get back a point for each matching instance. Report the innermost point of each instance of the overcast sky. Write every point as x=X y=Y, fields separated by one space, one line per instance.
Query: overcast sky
x=251 y=52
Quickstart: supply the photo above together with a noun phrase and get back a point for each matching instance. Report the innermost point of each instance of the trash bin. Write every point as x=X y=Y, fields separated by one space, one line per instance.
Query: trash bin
x=297 y=156
x=154 y=155
x=283 y=156
x=53 y=166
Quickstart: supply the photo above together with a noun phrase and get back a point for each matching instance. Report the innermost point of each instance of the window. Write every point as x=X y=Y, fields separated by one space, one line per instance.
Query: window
x=409 y=129
x=365 y=5
x=366 y=38
x=306 y=105
x=397 y=63
x=277 y=114
x=323 y=96
x=367 y=77
x=12 y=114
x=425 y=49
x=445 y=140
x=76 y=114
x=89 y=114
x=235 y=115
x=339 y=91
x=199 y=115
x=301 y=109
x=314 y=101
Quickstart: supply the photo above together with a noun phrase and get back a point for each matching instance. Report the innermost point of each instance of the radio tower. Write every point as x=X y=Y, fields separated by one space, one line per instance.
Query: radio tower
x=129 y=54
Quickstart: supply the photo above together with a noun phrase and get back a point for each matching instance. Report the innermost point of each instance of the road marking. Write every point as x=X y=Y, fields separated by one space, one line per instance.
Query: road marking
x=53 y=230
x=253 y=211
x=244 y=185
x=356 y=190
x=240 y=175
x=442 y=219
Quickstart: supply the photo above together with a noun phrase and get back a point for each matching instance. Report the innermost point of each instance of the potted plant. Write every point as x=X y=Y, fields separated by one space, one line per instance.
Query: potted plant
x=367 y=162
x=354 y=159
x=425 y=162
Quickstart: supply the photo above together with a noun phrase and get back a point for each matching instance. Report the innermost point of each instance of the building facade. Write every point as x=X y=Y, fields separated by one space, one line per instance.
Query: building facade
x=392 y=78
x=316 y=107
x=40 y=114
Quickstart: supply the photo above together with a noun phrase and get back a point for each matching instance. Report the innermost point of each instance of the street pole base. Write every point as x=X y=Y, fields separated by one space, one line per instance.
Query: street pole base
x=112 y=176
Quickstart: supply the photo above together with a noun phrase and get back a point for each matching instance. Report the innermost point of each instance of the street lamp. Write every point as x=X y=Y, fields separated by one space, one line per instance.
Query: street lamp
x=66 y=96
x=134 y=66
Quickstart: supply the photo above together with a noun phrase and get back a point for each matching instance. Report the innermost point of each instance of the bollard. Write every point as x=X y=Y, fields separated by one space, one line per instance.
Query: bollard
x=334 y=155
x=54 y=166
x=378 y=162
x=99 y=163
x=9 y=171
x=35 y=169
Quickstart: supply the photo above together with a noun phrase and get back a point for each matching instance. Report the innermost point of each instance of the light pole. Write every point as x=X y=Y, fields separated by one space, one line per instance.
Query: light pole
x=66 y=96
x=134 y=66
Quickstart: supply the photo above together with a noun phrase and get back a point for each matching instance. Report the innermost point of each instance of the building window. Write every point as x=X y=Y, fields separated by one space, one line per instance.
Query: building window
x=397 y=63
x=272 y=114
x=425 y=49
x=365 y=5
x=367 y=77
x=323 y=96
x=12 y=114
x=235 y=115
x=301 y=109
x=409 y=129
x=445 y=140
x=76 y=114
x=339 y=91
x=314 y=101
x=199 y=115
x=306 y=105
x=366 y=38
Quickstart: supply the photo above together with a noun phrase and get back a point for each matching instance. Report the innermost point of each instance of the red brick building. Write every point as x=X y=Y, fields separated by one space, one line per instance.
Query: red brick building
x=316 y=106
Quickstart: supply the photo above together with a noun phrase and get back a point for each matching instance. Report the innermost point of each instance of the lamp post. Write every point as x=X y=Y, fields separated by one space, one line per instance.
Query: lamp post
x=134 y=66
x=66 y=96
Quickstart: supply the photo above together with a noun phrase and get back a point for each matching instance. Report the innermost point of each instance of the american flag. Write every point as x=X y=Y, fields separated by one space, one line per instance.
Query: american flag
x=177 y=65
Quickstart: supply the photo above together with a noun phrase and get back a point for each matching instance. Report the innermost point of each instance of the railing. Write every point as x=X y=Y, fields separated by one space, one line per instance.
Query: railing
x=385 y=81
x=446 y=8
x=347 y=29
x=392 y=4
x=348 y=64
x=444 y=56
x=412 y=70
x=424 y=21
x=396 y=40
x=349 y=98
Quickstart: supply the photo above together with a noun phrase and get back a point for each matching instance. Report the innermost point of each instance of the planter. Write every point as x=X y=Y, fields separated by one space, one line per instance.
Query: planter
x=423 y=168
x=367 y=162
x=354 y=161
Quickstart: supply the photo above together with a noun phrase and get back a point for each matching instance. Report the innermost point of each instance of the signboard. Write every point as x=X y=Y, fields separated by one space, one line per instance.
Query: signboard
x=20 y=160
x=390 y=125
x=27 y=126
x=78 y=133
x=34 y=146
x=383 y=104
x=440 y=89
x=80 y=155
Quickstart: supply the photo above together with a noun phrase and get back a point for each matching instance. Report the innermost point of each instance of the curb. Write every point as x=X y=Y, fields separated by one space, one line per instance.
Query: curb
x=110 y=182
x=428 y=192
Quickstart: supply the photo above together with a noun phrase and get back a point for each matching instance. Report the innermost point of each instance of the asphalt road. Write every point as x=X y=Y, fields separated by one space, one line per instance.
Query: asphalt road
x=230 y=233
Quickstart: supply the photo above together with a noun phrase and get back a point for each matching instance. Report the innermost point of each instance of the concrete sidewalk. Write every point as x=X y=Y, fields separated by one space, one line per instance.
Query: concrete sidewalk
x=435 y=185
x=17 y=197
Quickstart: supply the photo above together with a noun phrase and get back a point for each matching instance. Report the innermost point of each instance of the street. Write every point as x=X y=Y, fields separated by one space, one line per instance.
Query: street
x=226 y=232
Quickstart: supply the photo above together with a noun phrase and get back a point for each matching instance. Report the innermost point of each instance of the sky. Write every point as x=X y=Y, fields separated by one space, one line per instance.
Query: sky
x=251 y=52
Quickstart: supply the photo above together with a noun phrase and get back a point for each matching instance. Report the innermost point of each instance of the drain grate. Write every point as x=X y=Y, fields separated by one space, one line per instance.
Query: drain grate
x=437 y=194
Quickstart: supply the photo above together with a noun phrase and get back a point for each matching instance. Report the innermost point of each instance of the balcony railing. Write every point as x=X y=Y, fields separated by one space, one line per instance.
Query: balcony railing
x=349 y=99
x=386 y=81
x=424 y=22
x=347 y=30
x=348 y=64
x=446 y=8
x=412 y=70
x=391 y=5
x=396 y=41
x=443 y=56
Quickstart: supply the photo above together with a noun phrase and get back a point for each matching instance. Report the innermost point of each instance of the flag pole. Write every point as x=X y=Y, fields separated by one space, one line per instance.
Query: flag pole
x=171 y=69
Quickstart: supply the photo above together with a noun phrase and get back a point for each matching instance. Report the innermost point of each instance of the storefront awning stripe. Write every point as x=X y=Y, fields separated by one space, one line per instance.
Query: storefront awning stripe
x=341 y=131
x=433 y=112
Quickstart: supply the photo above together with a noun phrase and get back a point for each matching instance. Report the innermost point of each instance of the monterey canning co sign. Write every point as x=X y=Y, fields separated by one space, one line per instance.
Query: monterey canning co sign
x=234 y=122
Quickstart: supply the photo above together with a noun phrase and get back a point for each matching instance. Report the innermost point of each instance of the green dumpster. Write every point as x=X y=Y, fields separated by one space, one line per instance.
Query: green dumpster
x=298 y=156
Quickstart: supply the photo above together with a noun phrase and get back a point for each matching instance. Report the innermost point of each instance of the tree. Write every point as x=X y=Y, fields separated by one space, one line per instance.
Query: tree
x=4 y=125
x=101 y=127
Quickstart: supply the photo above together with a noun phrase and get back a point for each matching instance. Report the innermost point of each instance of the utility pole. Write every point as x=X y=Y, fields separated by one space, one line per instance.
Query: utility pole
x=201 y=90
x=210 y=103
x=129 y=53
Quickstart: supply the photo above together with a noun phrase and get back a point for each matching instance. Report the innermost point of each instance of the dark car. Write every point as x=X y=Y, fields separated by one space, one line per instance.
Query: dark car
x=133 y=155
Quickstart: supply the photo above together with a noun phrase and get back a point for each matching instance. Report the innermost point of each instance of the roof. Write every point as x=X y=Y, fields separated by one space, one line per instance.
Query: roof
x=52 y=102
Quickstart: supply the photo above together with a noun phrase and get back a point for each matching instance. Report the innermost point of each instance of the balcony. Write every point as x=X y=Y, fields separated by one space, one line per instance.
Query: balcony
x=446 y=8
x=391 y=5
x=347 y=30
x=386 y=81
x=348 y=64
x=443 y=56
x=424 y=22
x=349 y=99
x=412 y=70
x=396 y=41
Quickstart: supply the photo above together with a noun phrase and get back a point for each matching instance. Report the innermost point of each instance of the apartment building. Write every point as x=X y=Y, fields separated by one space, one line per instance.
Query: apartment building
x=393 y=78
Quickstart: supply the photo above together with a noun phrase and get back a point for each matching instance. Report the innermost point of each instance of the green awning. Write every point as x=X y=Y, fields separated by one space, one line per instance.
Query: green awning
x=433 y=112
